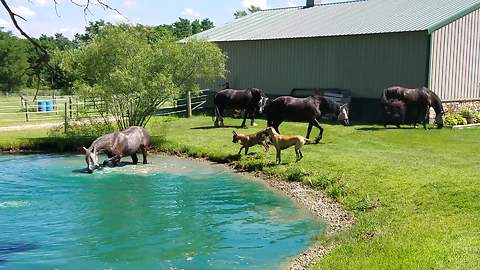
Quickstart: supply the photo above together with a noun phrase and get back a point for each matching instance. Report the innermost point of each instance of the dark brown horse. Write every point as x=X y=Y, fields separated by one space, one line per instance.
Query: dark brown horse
x=307 y=110
x=417 y=104
x=250 y=100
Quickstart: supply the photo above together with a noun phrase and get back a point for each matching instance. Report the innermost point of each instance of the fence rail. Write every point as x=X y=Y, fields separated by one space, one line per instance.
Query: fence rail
x=62 y=109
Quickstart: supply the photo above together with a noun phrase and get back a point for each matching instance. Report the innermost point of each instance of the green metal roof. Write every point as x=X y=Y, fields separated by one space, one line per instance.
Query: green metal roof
x=347 y=18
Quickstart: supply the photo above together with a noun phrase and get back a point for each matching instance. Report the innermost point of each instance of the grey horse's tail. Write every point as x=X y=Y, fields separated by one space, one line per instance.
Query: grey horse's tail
x=216 y=113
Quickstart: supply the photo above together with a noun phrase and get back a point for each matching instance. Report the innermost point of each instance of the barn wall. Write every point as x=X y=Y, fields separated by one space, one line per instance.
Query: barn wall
x=455 y=59
x=365 y=64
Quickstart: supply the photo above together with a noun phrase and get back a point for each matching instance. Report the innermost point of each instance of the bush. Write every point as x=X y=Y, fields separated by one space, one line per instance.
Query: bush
x=467 y=112
x=454 y=119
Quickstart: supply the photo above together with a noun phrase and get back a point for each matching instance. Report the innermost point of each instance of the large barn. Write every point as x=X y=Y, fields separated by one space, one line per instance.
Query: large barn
x=362 y=46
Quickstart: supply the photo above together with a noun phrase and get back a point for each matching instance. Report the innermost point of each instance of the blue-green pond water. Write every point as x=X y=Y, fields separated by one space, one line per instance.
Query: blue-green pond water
x=170 y=214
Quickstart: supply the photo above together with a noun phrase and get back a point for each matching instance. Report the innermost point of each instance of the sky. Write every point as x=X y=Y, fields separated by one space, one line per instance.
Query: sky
x=41 y=17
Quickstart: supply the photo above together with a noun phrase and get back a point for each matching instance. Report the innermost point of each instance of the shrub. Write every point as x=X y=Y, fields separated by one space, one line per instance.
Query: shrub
x=454 y=119
x=467 y=112
x=477 y=118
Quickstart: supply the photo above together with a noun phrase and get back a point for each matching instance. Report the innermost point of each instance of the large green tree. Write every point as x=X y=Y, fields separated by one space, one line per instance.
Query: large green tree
x=243 y=13
x=134 y=76
x=13 y=61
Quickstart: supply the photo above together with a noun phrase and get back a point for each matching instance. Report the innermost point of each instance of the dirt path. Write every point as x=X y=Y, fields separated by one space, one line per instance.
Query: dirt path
x=37 y=126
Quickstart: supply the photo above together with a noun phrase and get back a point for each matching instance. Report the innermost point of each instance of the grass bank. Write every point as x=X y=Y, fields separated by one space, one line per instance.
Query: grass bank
x=415 y=193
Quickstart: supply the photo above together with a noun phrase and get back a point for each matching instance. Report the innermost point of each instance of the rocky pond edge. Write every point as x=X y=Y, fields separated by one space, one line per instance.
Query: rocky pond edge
x=336 y=218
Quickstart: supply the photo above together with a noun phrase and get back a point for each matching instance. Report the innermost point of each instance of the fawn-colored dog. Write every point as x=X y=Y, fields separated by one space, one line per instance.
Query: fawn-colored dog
x=283 y=142
x=248 y=141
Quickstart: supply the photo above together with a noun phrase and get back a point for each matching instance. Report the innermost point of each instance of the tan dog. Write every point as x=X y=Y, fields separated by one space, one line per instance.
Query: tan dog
x=248 y=141
x=283 y=142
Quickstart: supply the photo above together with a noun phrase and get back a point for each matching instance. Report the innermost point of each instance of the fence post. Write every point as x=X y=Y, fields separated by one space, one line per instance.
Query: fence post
x=54 y=101
x=66 y=117
x=70 y=106
x=189 y=104
x=26 y=111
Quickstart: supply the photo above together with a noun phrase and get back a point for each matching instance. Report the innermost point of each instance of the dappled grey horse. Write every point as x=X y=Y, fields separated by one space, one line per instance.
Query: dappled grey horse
x=117 y=145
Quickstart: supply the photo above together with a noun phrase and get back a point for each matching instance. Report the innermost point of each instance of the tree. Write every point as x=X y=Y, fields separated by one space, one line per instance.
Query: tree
x=196 y=27
x=207 y=24
x=13 y=61
x=182 y=28
x=243 y=13
x=239 y=14
x=134 y=76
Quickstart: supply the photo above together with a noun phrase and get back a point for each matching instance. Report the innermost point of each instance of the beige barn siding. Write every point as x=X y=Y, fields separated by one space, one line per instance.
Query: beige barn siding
x=455 y=59
x=366 y=64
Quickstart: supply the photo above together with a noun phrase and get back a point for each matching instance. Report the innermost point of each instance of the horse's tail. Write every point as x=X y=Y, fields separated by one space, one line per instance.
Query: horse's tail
x=383 y=98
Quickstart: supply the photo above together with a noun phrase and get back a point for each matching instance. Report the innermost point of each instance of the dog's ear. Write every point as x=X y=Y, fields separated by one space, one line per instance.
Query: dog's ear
x=234 y=133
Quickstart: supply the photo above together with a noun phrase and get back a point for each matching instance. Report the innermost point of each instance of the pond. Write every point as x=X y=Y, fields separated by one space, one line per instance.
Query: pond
x=170 y=214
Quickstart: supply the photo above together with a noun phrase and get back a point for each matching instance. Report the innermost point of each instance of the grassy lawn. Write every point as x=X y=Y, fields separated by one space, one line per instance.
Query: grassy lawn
x=415 y=193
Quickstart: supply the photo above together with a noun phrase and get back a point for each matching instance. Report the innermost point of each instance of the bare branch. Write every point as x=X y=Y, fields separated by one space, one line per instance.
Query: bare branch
x=36 y=45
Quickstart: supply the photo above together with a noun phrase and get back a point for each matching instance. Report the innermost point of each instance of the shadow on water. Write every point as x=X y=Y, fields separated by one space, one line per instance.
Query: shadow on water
x=212 y=127
x=119 y=165
x=12 y=248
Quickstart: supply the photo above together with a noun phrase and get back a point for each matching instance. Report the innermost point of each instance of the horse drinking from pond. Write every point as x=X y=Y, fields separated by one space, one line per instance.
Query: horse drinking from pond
x=417 y=103
x=308 y=110
x=117 y=145
x=250 y=100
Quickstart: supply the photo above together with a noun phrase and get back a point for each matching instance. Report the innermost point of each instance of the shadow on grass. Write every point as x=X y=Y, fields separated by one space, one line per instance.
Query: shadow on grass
x=382 y=128
x=212 y=127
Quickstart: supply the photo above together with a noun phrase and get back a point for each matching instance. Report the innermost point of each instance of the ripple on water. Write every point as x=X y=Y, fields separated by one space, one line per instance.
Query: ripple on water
x=14 y=204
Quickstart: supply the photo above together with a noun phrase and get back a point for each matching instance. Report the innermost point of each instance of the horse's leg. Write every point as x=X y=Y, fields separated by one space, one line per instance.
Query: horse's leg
x=144 y=153
x=252 y=118
x=221 y=112
x=279 y=156
x=316 y=123
x=309 y=130
x=244 y=119
x=134 y=158
x=246 y=150
x=276 y=126
x=240 y=151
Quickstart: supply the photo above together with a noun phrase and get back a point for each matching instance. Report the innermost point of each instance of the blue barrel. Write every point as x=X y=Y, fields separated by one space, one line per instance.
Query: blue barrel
x=48 y=105
x=41 y=106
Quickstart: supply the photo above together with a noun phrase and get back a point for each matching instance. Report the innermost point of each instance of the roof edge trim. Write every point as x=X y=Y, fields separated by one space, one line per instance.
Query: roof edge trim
x=453 y=18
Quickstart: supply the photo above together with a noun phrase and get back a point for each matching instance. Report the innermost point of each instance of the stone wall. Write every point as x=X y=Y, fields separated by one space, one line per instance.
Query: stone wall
x=456 y=106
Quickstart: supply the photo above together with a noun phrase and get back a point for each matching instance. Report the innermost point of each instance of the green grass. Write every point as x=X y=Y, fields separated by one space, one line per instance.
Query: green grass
x=415 y=193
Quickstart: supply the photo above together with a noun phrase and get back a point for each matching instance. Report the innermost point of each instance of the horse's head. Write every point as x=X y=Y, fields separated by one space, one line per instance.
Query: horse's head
x=91 y=158
x=262 y=103
x=343 y=115
x=439 y=119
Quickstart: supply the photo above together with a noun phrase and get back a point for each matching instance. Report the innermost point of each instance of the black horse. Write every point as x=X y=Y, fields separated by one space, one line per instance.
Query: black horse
x=250 y=100
x=308 y=110
x=416 y=102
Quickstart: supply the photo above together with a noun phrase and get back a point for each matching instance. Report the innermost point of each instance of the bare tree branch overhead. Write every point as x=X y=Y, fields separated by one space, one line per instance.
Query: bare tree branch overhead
x=43 y=58
x=86 y=9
